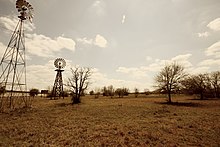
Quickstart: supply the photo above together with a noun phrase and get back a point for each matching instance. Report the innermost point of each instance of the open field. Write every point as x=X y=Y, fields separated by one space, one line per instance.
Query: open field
x=104 y=121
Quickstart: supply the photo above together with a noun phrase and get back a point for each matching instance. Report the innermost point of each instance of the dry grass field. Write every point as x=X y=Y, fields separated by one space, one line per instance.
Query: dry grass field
x=104 y=121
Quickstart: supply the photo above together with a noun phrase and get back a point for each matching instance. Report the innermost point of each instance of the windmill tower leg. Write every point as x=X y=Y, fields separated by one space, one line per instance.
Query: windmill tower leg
x=13 y=71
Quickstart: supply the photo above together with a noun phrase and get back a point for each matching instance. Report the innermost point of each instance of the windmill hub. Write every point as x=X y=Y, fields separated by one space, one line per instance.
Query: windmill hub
x=59 y=63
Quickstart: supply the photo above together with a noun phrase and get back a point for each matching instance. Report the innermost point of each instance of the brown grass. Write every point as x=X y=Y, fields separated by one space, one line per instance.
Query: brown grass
x=104 y=121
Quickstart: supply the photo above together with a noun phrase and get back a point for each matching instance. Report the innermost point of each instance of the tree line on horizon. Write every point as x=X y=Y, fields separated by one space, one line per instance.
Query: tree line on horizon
x=171 y=79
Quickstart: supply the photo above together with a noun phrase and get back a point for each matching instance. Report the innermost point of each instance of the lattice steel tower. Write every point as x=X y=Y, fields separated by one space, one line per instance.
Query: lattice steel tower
x=59 y=63
x=13 y=66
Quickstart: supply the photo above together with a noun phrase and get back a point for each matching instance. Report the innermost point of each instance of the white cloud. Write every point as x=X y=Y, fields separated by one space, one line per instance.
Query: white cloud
x=213 y=50
x=147 y=72
x=180 y=59
x=85 y=40
x=144 y=71
x=10 y=23
x=203 y=35
x=215 y=24
x=183 y=60
x=44 y=46
x=98 y=41
x=66 y=43
x=123 y=19
x=209 y=62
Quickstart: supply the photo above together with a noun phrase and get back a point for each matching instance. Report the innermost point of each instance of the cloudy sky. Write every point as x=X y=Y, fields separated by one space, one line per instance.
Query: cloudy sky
x=126 y=42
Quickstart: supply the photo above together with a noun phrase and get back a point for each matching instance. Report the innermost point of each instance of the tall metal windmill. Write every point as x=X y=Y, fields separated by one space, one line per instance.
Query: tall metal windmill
x=13 y=64
x=59 y=63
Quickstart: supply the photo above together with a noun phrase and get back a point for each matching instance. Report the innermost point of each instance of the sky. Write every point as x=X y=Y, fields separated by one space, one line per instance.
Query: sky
x=125 y=42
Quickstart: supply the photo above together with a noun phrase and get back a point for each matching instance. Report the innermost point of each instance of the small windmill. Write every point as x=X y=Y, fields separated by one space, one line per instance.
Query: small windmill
x=59 y=63
x=13 y=65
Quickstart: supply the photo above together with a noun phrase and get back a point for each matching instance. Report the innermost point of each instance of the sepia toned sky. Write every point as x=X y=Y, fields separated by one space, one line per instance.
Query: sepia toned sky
x=126 y=42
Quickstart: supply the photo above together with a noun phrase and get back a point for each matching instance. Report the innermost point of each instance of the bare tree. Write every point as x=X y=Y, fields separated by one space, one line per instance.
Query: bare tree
x=104 y=91
x=79 y=82
x=108 y=91
x=121 y=92
x=169 y=78
x=111 y=91
x=197 y=84
x=215 y=81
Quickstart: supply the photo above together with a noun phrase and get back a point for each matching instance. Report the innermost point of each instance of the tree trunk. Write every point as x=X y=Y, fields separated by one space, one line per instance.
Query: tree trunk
x=215 y=92
x=169 y=93
x=169 y=97
x=201 y=96
x=76 y=99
